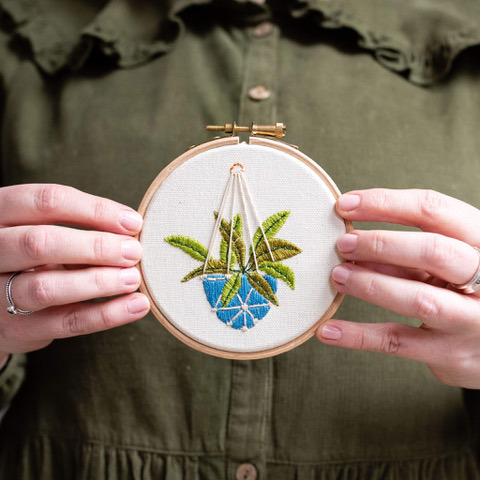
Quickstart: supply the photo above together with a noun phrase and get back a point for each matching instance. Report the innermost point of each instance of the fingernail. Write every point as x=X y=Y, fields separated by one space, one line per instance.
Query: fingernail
x=132 y=221
x=340 y=274
x=131 y=250
x=331 y=333
x=347 y=243
x=348 y=202
x=130 y=276
x=138 y=305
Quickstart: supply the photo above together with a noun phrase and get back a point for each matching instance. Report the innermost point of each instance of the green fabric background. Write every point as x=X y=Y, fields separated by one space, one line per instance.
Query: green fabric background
x=135 y=403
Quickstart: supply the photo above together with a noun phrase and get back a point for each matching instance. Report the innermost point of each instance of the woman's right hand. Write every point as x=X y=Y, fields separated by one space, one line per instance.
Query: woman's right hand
x=64 y=266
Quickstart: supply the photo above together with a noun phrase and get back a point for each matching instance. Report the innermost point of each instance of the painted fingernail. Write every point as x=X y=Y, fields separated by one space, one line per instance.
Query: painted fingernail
x=348 y=202
x=331 y=333
x=132 y=221
x=340 y=274
x=130 y=276
x=138 y=305
x=131 y=250
x=347 y=243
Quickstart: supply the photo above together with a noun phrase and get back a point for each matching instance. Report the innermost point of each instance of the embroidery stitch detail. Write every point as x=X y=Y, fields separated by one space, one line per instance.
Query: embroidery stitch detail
x=237 y=292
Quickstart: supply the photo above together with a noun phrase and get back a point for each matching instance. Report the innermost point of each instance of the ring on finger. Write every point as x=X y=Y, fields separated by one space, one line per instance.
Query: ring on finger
x=474 y=283
x=12 y=308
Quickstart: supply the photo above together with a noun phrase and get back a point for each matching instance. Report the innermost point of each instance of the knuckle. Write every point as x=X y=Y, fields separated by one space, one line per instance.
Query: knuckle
x=100 y=248
x=425 y=306
x=437 y=251
x=36 y=243
x=360 y=342
x=100 y=208
x=73 y=323
x=100 y=281
x=49 y=198
x=381 y=199
x=104 y=319
x=371 y=289
x=378 y=243
x=431 y=204
x=41 y=290
x=389 y=341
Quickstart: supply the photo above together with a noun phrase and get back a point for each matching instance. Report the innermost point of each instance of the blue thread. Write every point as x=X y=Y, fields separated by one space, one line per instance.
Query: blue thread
x=247 y=307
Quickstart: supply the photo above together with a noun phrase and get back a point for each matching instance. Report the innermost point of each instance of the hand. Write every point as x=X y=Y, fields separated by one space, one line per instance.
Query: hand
x=408 y=273
x=65 y=266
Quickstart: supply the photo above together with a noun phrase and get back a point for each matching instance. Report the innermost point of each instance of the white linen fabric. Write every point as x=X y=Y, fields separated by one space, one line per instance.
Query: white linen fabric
x=184 y=204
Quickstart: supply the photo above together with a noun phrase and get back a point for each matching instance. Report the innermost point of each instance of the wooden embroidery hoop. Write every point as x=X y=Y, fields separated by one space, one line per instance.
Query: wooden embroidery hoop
x=144 y=206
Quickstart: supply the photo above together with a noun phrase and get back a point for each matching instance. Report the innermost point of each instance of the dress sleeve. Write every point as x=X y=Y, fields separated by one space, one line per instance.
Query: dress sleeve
x=11 y=377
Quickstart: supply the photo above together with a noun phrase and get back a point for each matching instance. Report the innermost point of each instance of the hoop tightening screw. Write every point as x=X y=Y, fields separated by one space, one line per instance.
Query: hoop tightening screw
x=276 y=130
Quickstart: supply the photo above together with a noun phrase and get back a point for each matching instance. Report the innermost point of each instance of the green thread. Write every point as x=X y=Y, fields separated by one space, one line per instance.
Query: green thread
x=238 y=246
x=190 y=246
x=277 y=248
x=280 y=271
x=281 y=250
x=238 y=227
x=271 y=226
x=262 y=287
x=213 y=266
x=231 y=288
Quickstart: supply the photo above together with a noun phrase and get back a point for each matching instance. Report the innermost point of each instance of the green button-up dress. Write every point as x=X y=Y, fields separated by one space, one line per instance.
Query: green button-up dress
x=102 y=95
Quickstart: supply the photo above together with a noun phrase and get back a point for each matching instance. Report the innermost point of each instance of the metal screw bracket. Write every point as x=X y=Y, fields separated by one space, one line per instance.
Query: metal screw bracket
x=277 y=130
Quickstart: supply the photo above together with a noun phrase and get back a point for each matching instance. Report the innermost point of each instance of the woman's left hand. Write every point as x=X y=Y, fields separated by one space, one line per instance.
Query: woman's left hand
x=408 y=273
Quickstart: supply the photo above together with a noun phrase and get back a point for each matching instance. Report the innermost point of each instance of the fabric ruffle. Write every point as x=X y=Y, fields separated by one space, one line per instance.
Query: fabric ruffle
x=419 y=39
x=58 y=458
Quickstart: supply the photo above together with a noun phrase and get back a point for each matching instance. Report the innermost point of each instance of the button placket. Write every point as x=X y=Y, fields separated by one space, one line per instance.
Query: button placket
x=258 y=98
x=251 y=387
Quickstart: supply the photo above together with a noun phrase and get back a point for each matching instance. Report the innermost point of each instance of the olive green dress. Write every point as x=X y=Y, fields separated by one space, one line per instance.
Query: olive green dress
x=102 y=95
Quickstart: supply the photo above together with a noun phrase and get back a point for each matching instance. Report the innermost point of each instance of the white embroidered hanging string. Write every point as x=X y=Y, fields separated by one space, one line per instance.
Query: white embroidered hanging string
x=232 y=216
x=247 y=223
x=257 y=218
x=217 y=223
x=248 y=206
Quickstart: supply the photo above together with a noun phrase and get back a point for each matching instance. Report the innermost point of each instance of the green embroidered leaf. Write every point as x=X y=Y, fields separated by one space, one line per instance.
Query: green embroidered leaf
x=231 y=288
x=223 y=253
x=281 y=250
x=271 y=226
x=280 y=271
x=195 y=249
x=213 y=266
x=238 y=246
x=261 y=285
x=238 y=227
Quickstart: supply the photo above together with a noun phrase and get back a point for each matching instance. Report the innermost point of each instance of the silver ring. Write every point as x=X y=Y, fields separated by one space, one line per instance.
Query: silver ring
x=474 y=283
x=12 y=309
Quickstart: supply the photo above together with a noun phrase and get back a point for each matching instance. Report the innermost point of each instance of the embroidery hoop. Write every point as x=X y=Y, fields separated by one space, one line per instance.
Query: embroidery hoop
x=155 y=232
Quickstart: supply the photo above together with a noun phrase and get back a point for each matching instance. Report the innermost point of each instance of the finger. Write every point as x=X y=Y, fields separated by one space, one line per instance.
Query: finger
x=450 y=259
x=79 y=319
x=428 y=210
x=436 y=307
x=391 y=338
x=38 y=290
x=34 y=204
x=22 y=248
x=403 y=272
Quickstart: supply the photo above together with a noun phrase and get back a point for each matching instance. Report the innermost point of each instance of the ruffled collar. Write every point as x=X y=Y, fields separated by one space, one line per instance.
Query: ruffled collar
x=419 y=38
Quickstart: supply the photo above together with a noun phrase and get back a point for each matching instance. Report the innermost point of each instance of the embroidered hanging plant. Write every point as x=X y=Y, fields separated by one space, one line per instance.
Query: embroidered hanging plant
x=236 y=290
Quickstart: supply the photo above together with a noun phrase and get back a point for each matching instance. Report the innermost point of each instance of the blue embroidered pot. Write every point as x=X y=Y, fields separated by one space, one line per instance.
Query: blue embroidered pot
x=245 y=309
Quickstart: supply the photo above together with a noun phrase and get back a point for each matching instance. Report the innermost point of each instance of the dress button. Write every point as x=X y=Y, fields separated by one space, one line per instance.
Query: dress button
x=262 y=29
x=259 y=93
x=246 y=471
